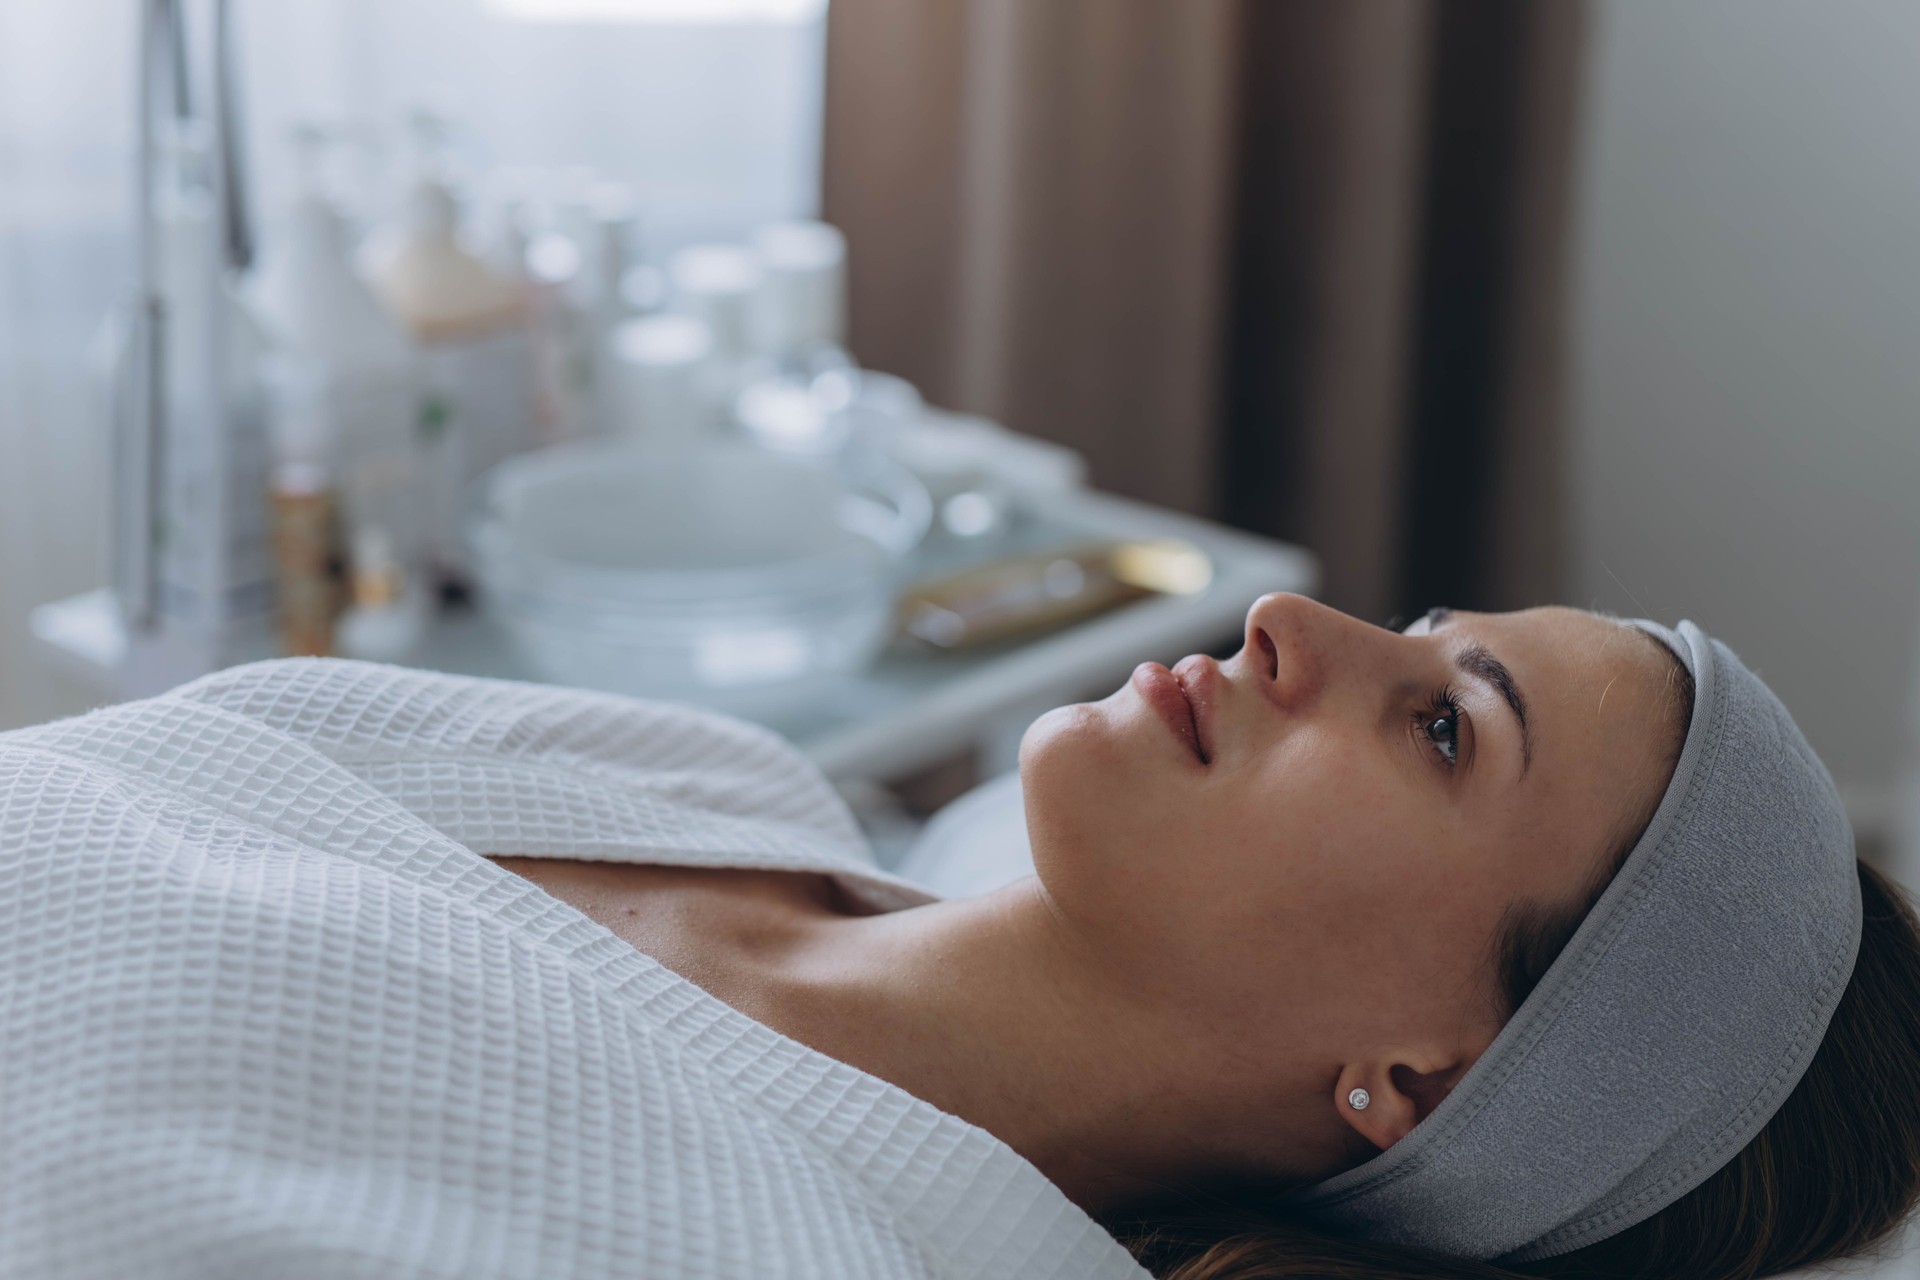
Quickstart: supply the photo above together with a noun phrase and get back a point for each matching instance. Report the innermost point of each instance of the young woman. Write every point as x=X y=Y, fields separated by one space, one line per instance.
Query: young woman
x=1511 y=943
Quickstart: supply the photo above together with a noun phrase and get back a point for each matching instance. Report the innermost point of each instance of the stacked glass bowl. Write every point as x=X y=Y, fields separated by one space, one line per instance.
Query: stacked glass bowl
x=716 y=573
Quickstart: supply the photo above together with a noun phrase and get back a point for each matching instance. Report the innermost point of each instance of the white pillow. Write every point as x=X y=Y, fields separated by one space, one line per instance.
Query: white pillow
x=973 y=844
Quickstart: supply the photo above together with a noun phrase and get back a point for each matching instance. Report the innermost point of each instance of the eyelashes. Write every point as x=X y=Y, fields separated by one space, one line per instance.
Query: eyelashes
x=1439 y=723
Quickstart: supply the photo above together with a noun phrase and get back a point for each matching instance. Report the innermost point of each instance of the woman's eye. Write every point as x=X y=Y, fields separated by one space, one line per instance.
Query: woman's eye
x=1443 y=731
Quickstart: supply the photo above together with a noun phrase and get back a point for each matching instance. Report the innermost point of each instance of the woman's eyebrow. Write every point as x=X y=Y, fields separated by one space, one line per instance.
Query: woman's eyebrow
x=1478 y=662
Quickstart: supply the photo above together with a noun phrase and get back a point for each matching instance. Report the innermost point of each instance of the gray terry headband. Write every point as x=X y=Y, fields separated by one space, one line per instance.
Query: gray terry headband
x=1680 y=1016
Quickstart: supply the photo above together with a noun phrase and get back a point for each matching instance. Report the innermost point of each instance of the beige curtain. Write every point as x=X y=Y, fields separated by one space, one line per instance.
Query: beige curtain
x=1292 y=263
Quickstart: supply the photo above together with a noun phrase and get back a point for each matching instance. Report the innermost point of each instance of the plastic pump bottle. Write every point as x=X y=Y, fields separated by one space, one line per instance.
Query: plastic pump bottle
x=800 y=310
x=342 y=404
x=214 y=561
x=716 y=284
x=600 y=220
x=511 y=251
x=430 y=282
x=799 y=327
x=388 y=616
x=307 y=292
x=656 y=373
x=468 y=327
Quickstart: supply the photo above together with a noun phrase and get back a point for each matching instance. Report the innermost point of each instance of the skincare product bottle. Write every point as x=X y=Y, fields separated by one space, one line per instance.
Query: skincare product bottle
x=307 y=291
x=306 y=558
x=603 y=222
x=553 y=265
x=474 y=364
x=656 y=376
x=800 y=307
x=305 y=508
x=599 y=218
x=511 y=253
x=342 y=398
x=799 y=331
x=716 y=283
x=388 y=617
x=438 y=289
x=507 y=242
x=214 y=562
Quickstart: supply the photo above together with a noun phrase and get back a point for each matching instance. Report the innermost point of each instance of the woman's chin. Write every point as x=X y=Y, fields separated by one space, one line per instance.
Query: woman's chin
x=1070 y=729
x=1090 y=773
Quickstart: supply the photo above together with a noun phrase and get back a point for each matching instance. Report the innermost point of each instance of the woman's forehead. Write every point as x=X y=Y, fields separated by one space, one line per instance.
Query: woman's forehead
x=1598 y=693
x=1585 y=676
x=1569 y=643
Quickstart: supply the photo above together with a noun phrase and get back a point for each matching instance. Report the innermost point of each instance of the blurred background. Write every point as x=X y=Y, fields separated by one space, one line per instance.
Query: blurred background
x=1615 y=303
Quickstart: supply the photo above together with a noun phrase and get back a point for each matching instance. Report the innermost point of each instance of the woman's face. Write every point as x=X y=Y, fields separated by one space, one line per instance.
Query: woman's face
x=1327 y=872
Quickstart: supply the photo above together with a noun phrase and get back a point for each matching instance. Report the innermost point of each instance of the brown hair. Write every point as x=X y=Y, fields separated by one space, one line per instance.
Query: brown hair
x=1832 y=1173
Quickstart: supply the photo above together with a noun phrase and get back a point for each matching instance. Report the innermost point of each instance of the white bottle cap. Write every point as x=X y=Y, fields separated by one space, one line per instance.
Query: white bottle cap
x=716 y=283
x=802 y=298
x=657 y=367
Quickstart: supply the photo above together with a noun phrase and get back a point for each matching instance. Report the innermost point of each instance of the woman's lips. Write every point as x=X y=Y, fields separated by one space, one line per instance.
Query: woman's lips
x=1199 y=678
x=1168 y=698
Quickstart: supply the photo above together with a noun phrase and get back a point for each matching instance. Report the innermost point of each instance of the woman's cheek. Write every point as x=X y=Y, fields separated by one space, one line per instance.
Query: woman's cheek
x=1307 y=790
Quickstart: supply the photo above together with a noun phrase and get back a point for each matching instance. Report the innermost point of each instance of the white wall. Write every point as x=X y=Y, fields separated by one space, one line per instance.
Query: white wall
x=1746 y=401
x=715 y=124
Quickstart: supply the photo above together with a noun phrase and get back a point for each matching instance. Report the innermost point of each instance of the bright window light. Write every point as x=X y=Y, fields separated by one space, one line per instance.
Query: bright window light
x=707 y=12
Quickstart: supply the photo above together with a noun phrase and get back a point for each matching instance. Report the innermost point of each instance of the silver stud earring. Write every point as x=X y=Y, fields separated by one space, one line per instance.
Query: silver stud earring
x=1359 y=1099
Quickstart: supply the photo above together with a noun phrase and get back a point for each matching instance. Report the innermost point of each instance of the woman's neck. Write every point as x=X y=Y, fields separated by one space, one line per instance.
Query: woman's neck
x=993 y=1010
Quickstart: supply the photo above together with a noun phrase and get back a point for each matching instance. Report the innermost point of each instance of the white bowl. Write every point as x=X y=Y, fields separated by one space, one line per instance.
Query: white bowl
x=721 y=574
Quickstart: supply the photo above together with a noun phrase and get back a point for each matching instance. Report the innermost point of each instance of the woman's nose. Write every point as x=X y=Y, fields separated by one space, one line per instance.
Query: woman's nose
x=1290 y=645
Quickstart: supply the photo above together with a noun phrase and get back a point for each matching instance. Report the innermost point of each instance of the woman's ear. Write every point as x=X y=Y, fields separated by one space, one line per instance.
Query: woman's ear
x=1384 y=1098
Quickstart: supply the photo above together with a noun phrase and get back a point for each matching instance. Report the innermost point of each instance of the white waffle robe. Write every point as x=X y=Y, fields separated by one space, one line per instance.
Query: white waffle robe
x=267 y=1009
